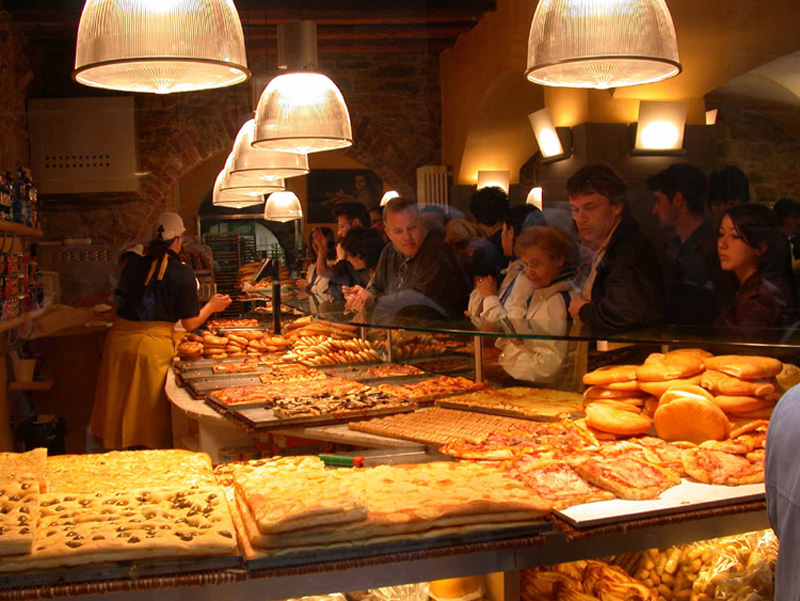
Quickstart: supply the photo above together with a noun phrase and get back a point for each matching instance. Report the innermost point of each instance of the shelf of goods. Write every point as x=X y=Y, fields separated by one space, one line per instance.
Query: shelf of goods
x=10 y=227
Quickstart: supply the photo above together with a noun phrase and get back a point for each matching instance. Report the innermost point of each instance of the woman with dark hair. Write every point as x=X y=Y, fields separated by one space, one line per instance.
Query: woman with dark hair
x=752 y=246
x=155 y=291
x=325 y=243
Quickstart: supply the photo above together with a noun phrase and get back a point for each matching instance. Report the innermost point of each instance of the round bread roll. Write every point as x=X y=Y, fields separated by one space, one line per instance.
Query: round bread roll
x=789 y=376
x=691 y=418
x=658 y=368
x=650 y=406
x=744 y=404
x=623 y=423
x=695 y=352
x=688 y=391
x=463 y=589
x=611 y=374
x=721 y=383
x=745 y=366
x=216 y=355
x=189 y=349
x=598 y=392
x=193 y=338
x=659 y=388
x=209 y=339
x=764 y=413
x=614 y=404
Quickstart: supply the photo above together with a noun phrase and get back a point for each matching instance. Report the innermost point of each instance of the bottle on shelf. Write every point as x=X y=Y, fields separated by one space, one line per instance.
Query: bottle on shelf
x=33 y=200
x=20 y=204
x=5 y=197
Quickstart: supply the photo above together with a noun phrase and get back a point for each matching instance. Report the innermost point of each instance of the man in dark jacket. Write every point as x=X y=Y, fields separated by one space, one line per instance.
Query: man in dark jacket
x=624 y=288
x=417 y=274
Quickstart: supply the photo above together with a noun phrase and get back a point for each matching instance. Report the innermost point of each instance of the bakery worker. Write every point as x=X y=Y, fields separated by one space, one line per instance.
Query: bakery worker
x=624 y=288
x=154 y=292
x=782 y=481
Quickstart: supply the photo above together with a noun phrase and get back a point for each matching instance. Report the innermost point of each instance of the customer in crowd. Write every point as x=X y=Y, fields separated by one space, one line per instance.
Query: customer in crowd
x=727 y=187
x=787 y=210
x=697 y=287
x=489 y=206
x=417 y=274
x=473 y=251
x=752 y=246
x=362 y=248
x=487 y=302
x=348 y=215
x=321 y=242
x=376 y=222
x=547 y=257
x=434 y=218
x=131 y=409
x=782 y=483
x=624 y=288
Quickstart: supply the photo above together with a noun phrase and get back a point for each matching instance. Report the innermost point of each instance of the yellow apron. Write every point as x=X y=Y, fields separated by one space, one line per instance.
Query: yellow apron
x=131 y=406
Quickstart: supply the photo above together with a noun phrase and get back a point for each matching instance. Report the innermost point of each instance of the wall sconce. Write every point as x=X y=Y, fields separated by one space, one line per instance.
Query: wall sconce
x=660 y=128
x=500 y=179
x=546 y=135
x=535 y=197
x=711 y=117
x=389 y=196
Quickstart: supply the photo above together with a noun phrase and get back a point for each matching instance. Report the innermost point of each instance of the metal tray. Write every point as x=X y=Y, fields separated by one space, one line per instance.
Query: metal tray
x=259 y=417
x=467 y=363
x=206 y=372
x=200 y=387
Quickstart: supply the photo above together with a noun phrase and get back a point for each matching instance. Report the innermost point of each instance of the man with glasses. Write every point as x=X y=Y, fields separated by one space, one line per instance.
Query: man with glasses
x=417 y=275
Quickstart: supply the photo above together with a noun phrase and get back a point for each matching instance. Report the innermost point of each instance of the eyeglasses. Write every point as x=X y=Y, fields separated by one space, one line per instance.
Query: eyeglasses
x=401 y=274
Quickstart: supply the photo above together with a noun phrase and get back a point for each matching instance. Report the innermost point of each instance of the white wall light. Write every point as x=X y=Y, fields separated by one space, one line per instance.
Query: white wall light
x=711 y=116
x=546 y=134
x=283 y=206
x=535 y=197
x=500 y=179
x=389 y=196
x=660 y=127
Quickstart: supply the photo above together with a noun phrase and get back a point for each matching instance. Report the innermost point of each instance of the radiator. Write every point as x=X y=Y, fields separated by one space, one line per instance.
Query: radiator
x=432 y=185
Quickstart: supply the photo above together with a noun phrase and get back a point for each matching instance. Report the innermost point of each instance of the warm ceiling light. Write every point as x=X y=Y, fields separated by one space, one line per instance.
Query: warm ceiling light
x=711 y=116
x=301 y=111
x=231 y=198
x=601 y=43
x=257 y=163
x=546 y=134
x=661 y=125
x=160 y=46
x=283 y=206
x=499 y=179
x=535 y=197
x=389 y=196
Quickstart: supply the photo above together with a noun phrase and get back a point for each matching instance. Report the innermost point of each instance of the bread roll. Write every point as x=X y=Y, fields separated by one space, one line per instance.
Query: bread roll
x=744 y=404
x=691 y=391
x=691 y=418
x=468 y=587
x=721 y=383
x=658 y=367
x=618 y=422
x=611 y=374
x=745 y=366
x=659 y=388
x=789 y=376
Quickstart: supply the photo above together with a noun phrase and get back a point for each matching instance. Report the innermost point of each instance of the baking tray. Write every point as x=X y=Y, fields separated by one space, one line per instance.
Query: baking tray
x=259 y=417
x=687 y=496
x=206 y=372
x=191 y=364
x=545 y=413
x=465 y=362
x=200 y=387
x=259 y=560
x=120 y=570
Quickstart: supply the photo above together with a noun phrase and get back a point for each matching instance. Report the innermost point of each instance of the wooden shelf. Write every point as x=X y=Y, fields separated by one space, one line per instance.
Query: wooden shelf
x=20 y=230
x=39 y=385
x=15 y=322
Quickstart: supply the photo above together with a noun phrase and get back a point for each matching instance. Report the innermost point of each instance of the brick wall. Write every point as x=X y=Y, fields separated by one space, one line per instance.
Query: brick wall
x=15 y=80
x=395 y=110
x=766 y=153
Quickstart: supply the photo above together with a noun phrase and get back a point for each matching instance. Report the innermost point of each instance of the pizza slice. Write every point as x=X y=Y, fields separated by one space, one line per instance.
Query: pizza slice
x=717 y=467
x=628 y=477
x=556 y=481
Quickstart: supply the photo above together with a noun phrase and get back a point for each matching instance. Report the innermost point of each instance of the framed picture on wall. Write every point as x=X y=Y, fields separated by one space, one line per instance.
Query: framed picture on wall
x=329 y=187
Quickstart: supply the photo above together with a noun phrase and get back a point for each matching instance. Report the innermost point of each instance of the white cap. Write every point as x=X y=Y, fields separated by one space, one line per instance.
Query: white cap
x=134 y=248
x=169 y=225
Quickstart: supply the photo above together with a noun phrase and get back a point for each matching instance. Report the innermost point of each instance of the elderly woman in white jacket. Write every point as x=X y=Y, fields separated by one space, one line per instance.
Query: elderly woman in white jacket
x=547 y=258
x=487 y=302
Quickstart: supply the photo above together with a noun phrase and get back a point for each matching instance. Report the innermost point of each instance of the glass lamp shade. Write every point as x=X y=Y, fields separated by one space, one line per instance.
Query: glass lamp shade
x=236 y=199
x=160 y=46
x=601 y=43
x=302 y=113
x=245 y=184
x=389 y=196
x=283 y=206
x=258 y=163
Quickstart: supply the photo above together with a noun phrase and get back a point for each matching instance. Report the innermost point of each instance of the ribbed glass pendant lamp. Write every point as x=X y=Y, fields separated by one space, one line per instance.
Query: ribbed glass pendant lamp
x=245 y=184
x=160 y=46
x=601 y=43
x=257 y=163
x=283 y=206
x=302 y=111
x=231 y=198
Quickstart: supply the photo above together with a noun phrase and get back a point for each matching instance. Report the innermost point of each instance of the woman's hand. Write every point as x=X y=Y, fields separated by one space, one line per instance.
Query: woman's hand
x=319 y=242
x=219 y=302
x=355 y=297
x=486 y=286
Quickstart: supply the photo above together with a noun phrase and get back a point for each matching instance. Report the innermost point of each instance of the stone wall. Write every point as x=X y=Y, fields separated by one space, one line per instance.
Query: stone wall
x=395 y=110
x=15 y=80
x=766 y=153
